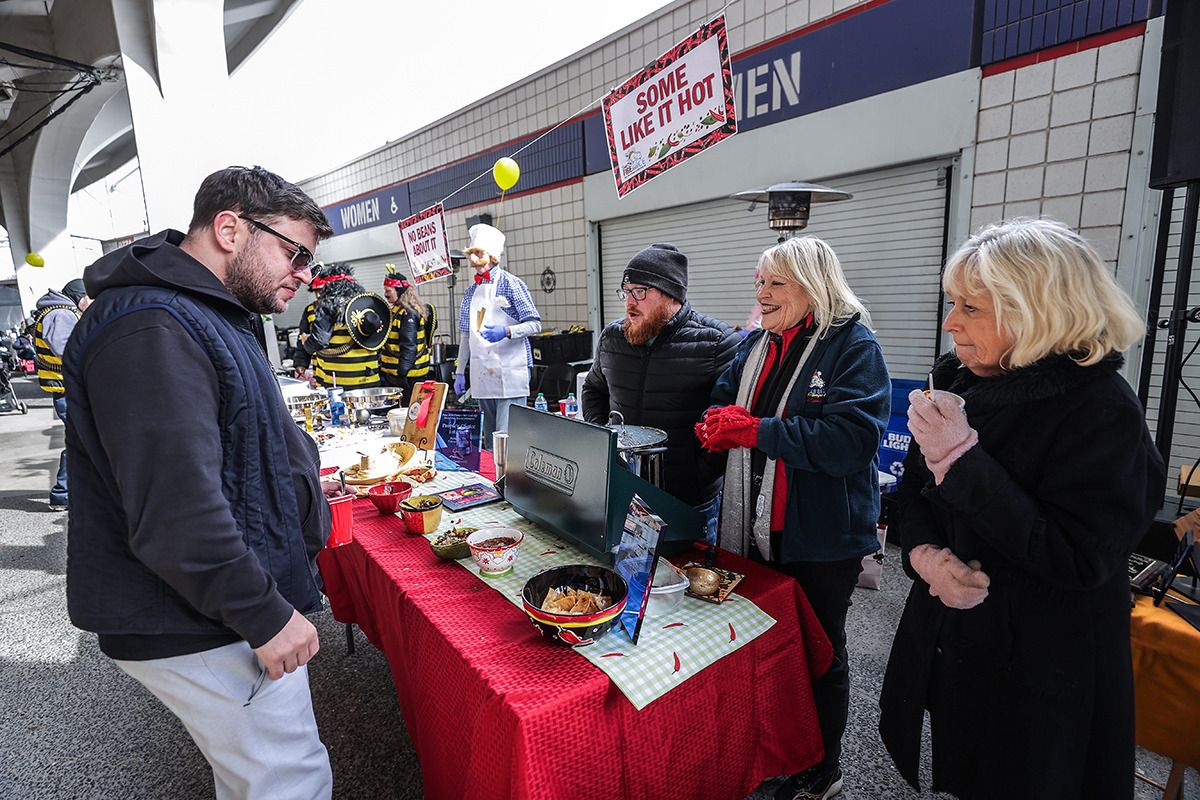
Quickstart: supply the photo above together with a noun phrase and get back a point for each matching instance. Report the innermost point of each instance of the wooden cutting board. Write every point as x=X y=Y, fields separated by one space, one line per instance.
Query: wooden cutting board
x=424 y=436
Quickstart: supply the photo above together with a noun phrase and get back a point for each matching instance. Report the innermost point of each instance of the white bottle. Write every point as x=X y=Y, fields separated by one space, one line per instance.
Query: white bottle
x=540 y=403
x=572 y=406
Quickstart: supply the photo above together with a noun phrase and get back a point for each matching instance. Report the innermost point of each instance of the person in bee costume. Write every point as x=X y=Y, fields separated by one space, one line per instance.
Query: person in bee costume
x=348 y=329
x=302 y=359
x=405 y=357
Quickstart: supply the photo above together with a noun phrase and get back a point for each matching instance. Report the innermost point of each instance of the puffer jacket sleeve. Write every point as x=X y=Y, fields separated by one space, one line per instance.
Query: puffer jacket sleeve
x=594 y=397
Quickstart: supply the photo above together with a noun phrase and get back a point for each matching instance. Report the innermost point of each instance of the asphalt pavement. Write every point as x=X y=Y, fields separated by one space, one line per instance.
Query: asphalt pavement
x=75 y=726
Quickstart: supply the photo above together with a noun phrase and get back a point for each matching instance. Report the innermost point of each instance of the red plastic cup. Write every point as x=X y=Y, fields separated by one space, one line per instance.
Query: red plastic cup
x=343 y=521
x=562 y=407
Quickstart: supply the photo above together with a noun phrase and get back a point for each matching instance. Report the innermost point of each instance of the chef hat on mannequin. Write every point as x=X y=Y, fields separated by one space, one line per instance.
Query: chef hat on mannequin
x=486 y=238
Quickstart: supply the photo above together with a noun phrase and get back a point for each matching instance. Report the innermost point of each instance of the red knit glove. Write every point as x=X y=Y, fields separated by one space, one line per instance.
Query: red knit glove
x=726 y=427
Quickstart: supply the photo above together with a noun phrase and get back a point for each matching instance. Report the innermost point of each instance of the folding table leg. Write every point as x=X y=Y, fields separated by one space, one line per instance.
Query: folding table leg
x=1174 y=787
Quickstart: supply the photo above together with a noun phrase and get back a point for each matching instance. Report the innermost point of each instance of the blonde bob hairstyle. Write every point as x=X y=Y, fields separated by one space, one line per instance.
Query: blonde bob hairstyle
x=1052 y=293
x=811 y=263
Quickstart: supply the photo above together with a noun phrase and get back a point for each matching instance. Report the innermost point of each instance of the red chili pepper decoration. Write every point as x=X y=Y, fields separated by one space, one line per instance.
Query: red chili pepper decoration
x=732 y=632
x=673 y=625
x=676 y=660
x=610 y=655
x=549 y=552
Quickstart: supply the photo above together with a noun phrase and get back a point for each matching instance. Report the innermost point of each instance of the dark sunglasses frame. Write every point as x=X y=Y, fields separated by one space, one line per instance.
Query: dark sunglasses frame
x=301 y=251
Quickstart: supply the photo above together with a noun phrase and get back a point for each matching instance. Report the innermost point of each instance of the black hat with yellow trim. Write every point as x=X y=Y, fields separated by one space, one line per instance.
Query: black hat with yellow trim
x=368 y=318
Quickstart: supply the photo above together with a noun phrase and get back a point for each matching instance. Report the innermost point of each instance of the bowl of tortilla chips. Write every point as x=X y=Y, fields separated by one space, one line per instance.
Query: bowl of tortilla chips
x=575 y=604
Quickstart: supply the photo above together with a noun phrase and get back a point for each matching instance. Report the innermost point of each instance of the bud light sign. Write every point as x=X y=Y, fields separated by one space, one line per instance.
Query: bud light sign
x=894 y=447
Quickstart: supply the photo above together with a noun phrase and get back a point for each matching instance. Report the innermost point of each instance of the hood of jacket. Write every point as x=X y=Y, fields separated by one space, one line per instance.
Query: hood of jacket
x=1048 y=377
x=54 y=298
x=157 y=260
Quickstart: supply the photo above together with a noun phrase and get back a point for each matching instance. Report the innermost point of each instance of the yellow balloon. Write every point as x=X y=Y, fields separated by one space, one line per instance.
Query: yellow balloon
x=506 y=172
x=34 y=260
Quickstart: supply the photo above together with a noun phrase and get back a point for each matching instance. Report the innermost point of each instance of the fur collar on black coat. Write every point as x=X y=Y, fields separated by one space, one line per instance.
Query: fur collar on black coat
x=1051 y=376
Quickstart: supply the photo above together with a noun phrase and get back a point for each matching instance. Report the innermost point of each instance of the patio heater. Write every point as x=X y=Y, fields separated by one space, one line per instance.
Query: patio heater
x=788 y=204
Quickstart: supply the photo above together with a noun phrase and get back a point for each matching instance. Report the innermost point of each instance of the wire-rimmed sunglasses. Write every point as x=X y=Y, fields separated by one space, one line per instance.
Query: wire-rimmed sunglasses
x=302 y=259
x=638 y=293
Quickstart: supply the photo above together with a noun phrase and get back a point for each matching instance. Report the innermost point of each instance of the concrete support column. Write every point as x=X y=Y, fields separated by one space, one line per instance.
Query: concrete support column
x=173 y=52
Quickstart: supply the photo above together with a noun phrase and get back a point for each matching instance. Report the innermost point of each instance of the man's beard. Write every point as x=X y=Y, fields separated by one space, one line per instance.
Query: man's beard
x=247 y=279
x=647 y=325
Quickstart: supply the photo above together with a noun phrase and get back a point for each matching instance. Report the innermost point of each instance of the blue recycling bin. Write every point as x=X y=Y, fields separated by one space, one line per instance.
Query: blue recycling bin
x=894 y=447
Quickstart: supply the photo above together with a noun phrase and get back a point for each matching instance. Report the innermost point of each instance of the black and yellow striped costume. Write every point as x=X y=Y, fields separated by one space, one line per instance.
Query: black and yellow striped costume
x=408 y=338
x=425 y=328
x=301 y=358
x=355 y=367
x=49 y=365
x=398 y=348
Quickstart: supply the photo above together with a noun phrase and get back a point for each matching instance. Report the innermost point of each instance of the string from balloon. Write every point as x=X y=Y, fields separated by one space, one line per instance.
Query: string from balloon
x=528 y=145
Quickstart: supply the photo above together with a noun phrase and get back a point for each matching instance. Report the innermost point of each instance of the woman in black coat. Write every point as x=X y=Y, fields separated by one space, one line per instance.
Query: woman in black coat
x=1017 y=520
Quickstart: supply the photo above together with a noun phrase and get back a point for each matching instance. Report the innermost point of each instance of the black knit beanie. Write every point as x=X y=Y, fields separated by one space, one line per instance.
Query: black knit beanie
x=74 y=290
x=661 y=266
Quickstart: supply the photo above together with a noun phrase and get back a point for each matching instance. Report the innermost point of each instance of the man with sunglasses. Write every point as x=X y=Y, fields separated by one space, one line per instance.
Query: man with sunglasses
x=657 y=366
x=196 y=510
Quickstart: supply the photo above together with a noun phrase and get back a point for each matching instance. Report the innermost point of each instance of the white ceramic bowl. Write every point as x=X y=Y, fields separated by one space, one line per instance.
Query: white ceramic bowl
x=494 y=560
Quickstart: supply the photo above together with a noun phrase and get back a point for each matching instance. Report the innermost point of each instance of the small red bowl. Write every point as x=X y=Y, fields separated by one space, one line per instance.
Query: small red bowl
x=387 y=496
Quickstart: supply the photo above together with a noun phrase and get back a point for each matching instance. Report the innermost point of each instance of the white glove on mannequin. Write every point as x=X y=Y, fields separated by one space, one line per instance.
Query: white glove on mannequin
x=956 y=584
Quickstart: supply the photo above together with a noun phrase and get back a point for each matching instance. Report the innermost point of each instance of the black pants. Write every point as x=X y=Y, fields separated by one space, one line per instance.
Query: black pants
x=828 y=586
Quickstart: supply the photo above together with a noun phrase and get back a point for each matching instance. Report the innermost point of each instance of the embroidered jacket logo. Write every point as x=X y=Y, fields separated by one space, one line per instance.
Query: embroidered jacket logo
x=816 y=388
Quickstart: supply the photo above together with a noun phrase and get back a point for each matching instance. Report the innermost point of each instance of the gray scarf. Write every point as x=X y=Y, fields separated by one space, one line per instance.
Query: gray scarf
x=743 y=517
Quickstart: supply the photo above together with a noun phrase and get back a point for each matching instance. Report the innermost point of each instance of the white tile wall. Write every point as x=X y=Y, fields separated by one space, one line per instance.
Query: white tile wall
x=1067 y=141
x=1027 y=149
x=1031 y=115
x=995 y=123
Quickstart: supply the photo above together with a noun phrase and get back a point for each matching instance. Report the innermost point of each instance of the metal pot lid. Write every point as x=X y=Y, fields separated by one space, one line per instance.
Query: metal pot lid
x=635 y=437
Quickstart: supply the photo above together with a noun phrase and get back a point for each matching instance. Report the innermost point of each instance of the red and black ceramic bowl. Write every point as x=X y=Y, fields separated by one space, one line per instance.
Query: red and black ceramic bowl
x=574 y=630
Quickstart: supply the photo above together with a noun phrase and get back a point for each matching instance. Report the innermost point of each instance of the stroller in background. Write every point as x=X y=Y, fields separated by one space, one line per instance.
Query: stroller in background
x=9 y=361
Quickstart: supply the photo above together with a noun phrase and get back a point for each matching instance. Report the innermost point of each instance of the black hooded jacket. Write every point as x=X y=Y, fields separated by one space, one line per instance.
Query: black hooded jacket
x=666 y=384
x=195 y=508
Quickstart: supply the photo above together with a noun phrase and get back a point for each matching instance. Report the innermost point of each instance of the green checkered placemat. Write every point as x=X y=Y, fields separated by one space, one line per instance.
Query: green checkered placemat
x=670 y=648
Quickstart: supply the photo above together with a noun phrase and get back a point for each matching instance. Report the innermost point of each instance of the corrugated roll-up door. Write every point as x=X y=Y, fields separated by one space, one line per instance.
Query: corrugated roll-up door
x=1185 y=435
x=889 y=238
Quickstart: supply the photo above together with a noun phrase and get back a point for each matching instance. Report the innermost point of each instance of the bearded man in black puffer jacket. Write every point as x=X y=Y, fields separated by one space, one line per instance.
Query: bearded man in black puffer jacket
x=658 y=365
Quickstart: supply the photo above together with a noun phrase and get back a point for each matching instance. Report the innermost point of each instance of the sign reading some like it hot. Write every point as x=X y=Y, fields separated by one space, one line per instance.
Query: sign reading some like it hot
x=425 y=244
x=672 y=110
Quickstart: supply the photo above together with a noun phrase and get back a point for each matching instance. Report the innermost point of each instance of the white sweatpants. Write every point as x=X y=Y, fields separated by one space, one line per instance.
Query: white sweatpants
x=259 y=735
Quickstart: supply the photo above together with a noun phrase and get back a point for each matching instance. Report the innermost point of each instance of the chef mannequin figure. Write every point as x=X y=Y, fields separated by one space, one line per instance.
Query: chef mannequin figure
x=494 y=322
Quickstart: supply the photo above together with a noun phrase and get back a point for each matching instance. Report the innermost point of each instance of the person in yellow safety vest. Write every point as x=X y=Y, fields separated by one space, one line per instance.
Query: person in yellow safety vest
x=301 y=358
x=405 y=358
x=343 y=356
x=54 y=319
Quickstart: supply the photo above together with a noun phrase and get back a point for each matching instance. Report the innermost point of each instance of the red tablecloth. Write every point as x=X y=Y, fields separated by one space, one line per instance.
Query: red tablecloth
x=495 y=711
